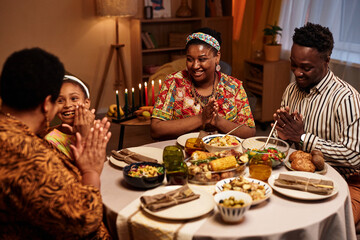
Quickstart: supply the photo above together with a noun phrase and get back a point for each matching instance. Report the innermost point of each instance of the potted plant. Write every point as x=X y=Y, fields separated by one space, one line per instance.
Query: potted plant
x=272 y=47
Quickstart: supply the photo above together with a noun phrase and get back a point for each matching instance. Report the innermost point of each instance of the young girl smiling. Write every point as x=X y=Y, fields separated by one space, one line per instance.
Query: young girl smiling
x=74 y=113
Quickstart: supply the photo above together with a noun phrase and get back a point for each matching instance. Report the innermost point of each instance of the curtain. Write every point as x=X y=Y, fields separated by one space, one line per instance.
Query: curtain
x=341 y=17
x=250 y=18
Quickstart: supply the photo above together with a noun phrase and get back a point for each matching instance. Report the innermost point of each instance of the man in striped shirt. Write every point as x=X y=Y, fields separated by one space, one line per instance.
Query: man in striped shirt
x=319 y=110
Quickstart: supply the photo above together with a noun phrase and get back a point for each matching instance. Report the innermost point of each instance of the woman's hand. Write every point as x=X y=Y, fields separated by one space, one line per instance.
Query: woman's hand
x=83 y=121
x=90 y=152
x=210 y=112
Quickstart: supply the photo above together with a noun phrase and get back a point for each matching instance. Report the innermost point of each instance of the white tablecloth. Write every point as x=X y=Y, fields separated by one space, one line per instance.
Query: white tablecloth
x=279 y=217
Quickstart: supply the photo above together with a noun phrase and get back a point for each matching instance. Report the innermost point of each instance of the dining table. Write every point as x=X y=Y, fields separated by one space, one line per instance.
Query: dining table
x=279 y=217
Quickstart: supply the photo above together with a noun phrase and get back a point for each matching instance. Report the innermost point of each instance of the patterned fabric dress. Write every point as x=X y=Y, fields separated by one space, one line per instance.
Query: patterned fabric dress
x=176 y=100
x=61 y=141
x=41 y=195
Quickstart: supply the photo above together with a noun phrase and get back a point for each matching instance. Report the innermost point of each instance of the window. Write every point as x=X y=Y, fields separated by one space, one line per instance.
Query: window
x=340 y=16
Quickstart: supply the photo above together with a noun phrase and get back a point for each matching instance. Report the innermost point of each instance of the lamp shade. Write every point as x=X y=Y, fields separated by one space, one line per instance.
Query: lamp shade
x=123 y=8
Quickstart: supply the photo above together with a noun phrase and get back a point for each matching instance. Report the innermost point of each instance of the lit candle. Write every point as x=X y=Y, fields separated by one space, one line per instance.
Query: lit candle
x=132 y=100
x=159 y=85
x=126 y=101
x=146 y=95
x=140 y=93
x=117 y=105
x=153 y=93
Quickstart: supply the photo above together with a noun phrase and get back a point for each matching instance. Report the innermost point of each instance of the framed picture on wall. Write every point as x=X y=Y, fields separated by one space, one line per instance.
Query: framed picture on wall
x=161 y=8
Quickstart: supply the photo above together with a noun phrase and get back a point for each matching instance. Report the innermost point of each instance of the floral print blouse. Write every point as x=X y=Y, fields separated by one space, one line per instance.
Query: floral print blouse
x=176 y=101
x=41 y=194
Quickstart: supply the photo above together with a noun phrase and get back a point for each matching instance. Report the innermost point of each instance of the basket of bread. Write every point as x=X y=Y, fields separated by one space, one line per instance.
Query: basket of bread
x=209 y=168
x=307 y=162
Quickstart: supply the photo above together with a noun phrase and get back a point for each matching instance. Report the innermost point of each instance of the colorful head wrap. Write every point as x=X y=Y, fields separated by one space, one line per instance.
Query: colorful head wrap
x=78 y=81
x=204 y=37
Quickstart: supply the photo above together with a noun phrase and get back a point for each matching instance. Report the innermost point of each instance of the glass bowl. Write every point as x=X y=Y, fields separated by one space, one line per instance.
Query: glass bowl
x=200 y=173
x=144 y=182
x=212 y=148
x=276 y=149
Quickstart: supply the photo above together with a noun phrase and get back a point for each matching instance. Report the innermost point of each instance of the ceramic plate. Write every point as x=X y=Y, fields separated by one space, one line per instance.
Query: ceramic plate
x=152 y=152
x=301 y=194
x=268 y=190
x=182 y=139
x=189 y=210
x=322 y=172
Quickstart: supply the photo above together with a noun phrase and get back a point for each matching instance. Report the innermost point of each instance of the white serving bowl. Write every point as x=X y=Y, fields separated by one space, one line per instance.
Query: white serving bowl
x=233 y=214
x=213 y=149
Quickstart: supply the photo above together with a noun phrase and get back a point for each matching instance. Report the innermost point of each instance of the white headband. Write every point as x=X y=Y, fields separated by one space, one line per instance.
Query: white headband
x=75 y=79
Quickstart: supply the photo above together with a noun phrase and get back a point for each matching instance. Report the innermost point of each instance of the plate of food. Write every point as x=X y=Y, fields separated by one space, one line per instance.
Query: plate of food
x=322 y=172
x=209 y=168
x=302 y=195
x=313 y=162
x=189 y=210
x=258 y=190
x=151 y=152
x=182 y=139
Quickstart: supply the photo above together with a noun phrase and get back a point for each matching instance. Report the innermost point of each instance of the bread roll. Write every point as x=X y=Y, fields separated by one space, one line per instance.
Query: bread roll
x=317 y=152
x=318 y=161
x=303 y=164
x=300 y=155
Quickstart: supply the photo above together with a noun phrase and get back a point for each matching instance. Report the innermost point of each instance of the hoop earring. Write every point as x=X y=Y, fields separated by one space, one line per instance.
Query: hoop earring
x=218 y=68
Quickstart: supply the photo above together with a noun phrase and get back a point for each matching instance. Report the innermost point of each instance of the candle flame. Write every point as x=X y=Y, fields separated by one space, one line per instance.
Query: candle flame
x=126 y=90
x=159 y=81
x=132 y=89
x=140 y=86
x=152 y=82
x=145 y=83
x=117 y=92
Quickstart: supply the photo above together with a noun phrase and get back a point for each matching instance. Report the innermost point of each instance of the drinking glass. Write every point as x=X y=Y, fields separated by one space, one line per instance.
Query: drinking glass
x=260 y=166
x=175 y=168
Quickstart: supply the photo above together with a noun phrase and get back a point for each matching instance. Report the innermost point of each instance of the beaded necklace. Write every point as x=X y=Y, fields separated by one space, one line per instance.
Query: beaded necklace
x=8 y=115
x=203 y=100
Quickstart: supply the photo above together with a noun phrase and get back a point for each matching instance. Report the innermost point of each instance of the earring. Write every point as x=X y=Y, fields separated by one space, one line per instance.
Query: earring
x=218 y=68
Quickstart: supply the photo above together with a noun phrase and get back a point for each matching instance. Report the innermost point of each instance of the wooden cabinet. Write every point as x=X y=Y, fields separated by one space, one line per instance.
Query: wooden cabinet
x=161 y=29
x=267 y=81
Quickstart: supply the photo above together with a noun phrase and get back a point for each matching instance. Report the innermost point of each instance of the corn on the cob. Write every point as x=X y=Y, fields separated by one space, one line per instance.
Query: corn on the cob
x=223 y=163
x=200 y=155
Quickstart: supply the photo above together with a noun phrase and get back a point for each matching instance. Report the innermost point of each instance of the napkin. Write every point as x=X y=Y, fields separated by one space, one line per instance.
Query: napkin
x=165 y=200
x=318 y=186
x=131 y=157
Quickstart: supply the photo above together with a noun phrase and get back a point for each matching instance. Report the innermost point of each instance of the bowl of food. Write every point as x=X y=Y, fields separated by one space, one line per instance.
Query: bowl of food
x=144 y=174
x=276 y=150
x=232 y=205
x=207 y=168
x=220 y=142
x=193 y=144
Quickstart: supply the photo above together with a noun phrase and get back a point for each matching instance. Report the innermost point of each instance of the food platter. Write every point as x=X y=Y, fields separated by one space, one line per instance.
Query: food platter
x=268 y=190
x=182 y=139
x=288 y=165
x=188 y=210
x=301 y=194
x=151 y=152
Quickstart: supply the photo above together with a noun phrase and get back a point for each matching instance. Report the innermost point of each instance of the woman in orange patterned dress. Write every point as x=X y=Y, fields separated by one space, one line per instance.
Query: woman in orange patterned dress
x=201 y=97
x=42 y=194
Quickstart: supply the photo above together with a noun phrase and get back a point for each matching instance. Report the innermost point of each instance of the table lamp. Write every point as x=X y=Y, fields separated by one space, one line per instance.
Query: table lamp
x=114 y=8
